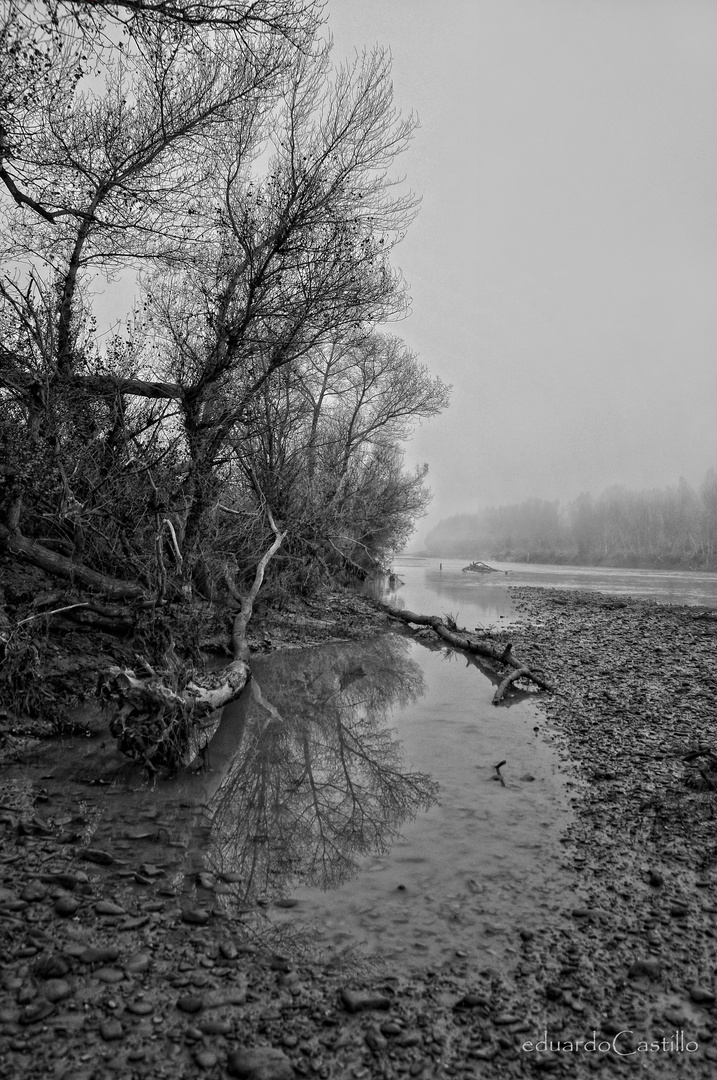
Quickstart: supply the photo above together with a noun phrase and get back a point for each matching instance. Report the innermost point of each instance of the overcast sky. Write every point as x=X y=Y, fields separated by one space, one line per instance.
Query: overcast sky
x=563 y=267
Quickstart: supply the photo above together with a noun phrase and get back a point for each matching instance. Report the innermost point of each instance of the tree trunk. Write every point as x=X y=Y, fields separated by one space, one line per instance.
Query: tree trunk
x=62 y=566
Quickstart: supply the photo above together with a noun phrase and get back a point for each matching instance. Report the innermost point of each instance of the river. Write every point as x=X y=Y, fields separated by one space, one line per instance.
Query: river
x=351 y=801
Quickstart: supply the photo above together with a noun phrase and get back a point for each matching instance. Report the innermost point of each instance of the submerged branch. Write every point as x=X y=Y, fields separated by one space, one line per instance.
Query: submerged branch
x=502 y=654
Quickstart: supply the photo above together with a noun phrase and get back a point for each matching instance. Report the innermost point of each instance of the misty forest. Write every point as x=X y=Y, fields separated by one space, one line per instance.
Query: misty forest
x=244 y=422
x=669 y=527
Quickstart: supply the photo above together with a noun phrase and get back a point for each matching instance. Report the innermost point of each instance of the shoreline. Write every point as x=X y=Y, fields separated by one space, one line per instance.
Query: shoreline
x=177 y=988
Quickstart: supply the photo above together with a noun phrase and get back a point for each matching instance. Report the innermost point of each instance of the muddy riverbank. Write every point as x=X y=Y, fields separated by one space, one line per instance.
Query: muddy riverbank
x=114 y=965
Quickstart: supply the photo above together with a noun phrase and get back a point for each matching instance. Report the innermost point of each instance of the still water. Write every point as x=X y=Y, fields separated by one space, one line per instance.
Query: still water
x=350 y=797
x=357 y=792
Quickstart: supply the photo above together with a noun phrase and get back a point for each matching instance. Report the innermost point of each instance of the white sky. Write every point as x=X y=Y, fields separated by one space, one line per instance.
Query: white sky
x=563 y=267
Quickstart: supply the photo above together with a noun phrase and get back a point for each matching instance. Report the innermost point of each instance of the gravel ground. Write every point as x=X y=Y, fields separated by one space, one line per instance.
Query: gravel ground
x=107 y=970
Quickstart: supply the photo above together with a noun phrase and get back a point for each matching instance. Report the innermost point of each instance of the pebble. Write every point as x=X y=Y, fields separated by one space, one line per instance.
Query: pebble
x=138 y=964
x=33 y=892
x=195 y=916
x=472 y=1001
x=701 y=995
x=109 y=975
x=140 y=1007
x=37 y=1010
x=110 y=1030
x=98 y=956
x=106 y=907
x=206 y=1059
x=66 y=906
x=260 y=1063
x=57 y=989
x=216 y=1027
x=191 y=1003
x=52 y=967
x=647 y=967
x=133 y=924
x=375 y=1040
x=67 y=881
x=356 y=1000
x=102 y=858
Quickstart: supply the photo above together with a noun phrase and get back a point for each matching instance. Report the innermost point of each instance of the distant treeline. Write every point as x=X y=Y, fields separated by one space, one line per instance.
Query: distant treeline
x=669 y=527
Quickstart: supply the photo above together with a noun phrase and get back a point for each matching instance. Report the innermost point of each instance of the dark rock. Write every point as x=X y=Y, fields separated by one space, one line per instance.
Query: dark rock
x=99 y=956
x=106 y=907
x=33 y=892
x=111 y=1030
x=52 y=967
x=137 y=964
x=375 y=1040
x=215 y=1027
x=102 y=858
x=472 y=1001
x=195 y=916
x=206 y=1059
x=56 y=990
x=36 y=1011
x=679 y=911
x=66 y=906
x=260 y=1063
x=133 y=924
x=110 y=975
x=652 y=969
x=190 y=1004
x=140 y=1007
x=356 y=1000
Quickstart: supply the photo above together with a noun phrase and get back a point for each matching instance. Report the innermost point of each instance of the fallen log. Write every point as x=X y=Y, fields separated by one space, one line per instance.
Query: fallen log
x=163 y=728
x=471 y=643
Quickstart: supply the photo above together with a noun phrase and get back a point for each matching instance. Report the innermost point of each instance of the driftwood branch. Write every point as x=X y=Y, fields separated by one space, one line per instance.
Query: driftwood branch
x=470 y=643
x=502 y=689
x=239 y=642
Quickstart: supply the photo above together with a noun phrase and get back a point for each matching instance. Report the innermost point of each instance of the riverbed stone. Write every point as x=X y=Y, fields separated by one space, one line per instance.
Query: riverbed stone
x=108 y=907
x=195 y=916
x=205 y=1059
x=260 y=1063
x=647 y=967
x=111 y=1030
x=56 y=989
x=357 y=1000
x=67 y=906
x=190 y=1003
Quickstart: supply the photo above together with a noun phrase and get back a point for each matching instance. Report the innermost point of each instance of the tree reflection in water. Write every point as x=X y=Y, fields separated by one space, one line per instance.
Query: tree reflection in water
x=316 y=780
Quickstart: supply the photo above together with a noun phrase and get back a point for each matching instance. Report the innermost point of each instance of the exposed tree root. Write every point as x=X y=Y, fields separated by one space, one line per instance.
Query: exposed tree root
x=165 y=728
x=470 y=643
